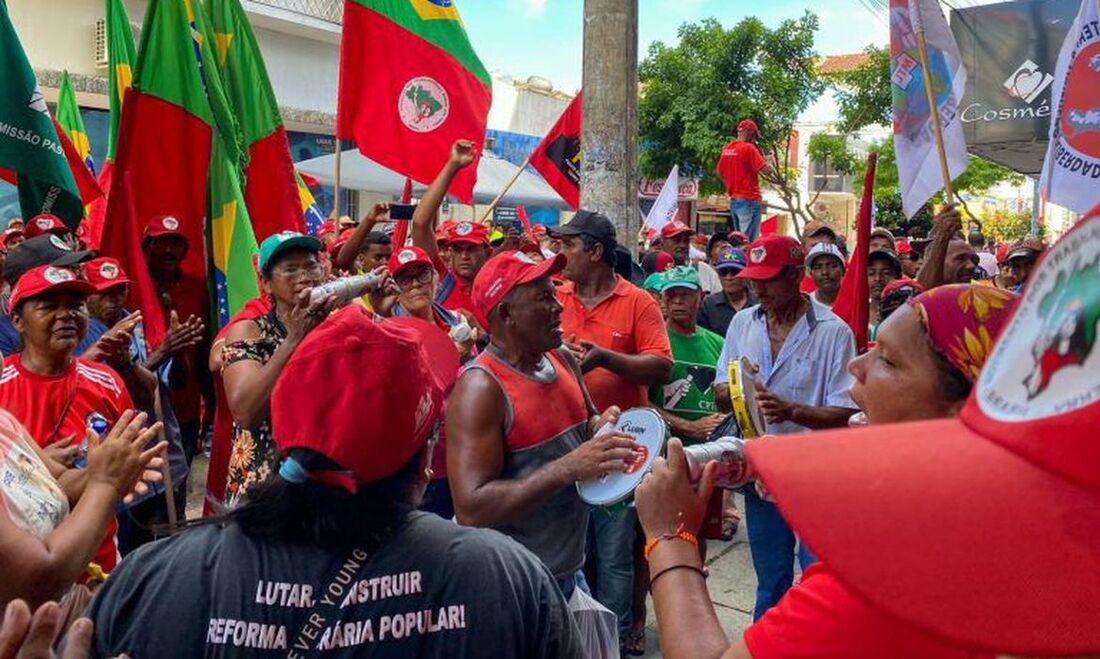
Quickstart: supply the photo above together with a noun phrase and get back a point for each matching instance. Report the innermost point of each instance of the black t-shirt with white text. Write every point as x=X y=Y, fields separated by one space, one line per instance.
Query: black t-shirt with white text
x=433 y=590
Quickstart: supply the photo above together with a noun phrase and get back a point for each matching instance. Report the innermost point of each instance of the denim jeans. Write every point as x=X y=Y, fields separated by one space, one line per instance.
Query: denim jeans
x=745 y=216
x=611 y=561
x=773 y=550
x=574 y=581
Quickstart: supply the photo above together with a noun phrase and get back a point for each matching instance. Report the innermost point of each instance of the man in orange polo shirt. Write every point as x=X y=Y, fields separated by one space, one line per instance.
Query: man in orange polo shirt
x=619 y=336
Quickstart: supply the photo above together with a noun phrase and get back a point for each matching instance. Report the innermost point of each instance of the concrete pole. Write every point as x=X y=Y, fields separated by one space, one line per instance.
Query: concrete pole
x=609 y=140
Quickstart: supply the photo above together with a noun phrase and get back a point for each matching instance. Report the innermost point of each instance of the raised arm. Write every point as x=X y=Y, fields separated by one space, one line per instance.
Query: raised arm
x=345 y=259
x=463 y=153
x=947 y=222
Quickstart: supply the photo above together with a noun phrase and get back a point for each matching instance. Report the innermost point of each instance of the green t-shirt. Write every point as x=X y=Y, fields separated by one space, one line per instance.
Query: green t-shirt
x=690 y=391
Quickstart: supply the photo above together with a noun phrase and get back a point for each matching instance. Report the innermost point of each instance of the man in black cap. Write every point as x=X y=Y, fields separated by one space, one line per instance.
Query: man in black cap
x=883 y=267
x=46 y=249
x=619 y=337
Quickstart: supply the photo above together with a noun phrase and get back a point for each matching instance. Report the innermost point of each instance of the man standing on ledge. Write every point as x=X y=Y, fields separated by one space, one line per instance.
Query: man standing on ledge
x=740 y=166
x=801 y=351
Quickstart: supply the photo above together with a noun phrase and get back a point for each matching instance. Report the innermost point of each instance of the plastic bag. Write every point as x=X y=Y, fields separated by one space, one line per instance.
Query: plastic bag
x=598 y=626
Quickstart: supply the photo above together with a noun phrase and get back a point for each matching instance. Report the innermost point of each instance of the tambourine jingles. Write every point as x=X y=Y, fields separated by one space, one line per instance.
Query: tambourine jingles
x=650 y=432
x=743 y=397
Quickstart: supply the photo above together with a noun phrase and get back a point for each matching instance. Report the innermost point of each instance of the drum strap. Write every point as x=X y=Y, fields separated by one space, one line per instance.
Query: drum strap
x=567 y=358
x=326 y=607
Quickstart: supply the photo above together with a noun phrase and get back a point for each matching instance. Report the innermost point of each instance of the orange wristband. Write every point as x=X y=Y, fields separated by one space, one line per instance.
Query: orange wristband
x=681 y=534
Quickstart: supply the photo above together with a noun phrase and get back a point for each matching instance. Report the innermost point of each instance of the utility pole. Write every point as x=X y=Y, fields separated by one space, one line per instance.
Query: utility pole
x=609 y=140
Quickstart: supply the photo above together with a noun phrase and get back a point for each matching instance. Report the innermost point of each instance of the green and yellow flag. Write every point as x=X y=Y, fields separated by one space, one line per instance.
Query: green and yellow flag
x=68 y=115
x=232 y=242
x=121 y=54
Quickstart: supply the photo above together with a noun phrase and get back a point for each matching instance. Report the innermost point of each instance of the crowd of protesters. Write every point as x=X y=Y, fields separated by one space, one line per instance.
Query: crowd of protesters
x=399 y=473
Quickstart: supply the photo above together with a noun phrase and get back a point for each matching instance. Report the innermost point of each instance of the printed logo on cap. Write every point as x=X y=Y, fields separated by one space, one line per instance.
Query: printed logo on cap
x=405 y=256
x=423 y=105
x=58 y=275
x=464 y=229
x=43 y=223
x=108 y=271
x=284 y=236
x=170 y=223
x=796 y=253
x=1046 y=362
x=758 y=254
x=523 y=257
x=494 y=287
x=56 y=241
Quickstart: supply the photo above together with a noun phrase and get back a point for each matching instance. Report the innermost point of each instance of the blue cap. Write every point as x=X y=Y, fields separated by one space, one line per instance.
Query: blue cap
x=732 y=258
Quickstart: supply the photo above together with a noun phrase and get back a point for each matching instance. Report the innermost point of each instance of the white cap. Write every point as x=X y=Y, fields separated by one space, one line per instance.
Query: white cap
x=821 y=249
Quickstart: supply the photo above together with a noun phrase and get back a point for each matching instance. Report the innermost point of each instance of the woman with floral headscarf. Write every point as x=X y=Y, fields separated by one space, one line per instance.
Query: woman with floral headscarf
x=929 y=353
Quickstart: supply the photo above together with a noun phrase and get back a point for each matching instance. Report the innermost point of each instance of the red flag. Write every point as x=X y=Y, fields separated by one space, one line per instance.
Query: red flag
x=310 y=181
x=401 y=229
x=853 y=302
x=558 y=157
x=770 y=226
x=91 y=229
x=85 y=180
x=522 y=213
x=410 y=86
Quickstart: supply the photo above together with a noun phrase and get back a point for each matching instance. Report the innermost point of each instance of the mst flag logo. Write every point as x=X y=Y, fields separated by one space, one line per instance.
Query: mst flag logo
x=1046 y=362
x=423 y=105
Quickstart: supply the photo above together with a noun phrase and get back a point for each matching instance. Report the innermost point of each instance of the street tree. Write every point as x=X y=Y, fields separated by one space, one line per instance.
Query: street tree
x=695 y=92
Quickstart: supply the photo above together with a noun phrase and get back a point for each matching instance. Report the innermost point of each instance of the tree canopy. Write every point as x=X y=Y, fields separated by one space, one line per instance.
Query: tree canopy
x=695 y=92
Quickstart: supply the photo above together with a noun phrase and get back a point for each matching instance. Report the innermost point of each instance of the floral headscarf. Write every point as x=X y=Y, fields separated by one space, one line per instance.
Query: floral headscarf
x=963 y=321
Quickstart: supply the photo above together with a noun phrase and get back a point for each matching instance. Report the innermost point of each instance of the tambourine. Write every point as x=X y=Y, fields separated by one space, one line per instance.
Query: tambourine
x=650 y=431
x=743 y=397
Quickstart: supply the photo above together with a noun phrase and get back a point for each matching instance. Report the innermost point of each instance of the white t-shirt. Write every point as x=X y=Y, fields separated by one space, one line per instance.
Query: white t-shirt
x=708 y=277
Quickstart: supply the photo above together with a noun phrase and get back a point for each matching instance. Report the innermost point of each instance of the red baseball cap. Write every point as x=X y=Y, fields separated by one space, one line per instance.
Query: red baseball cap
x=747 y=125
x=903 y=246
x=984 y=529
x=9 y=234
x=370 y=425
x=334 y=248
x=675 y=228
x=407 y=257
x=37 y=281
x=504 y=272
x=900 y=283
x=768 y=255
x=164 y=225
x=105 y=273
x=468 y=232
x=45 y=223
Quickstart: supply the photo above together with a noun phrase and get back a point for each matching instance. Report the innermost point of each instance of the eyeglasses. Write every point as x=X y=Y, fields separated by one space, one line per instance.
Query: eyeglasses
x=406 y=281
x=295 y=273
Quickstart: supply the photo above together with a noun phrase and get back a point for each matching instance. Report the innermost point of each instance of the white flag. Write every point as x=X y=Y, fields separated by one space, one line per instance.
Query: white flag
x=919 y=171
x=665 y=207
x=1071 y=170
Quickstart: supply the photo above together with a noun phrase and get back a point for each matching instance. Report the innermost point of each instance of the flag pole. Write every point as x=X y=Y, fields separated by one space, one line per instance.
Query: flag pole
x=336 y=187
x=507 y=187
x=937 y=130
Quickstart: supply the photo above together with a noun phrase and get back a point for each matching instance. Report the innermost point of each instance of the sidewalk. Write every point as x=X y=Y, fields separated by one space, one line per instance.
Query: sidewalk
x=732 y=586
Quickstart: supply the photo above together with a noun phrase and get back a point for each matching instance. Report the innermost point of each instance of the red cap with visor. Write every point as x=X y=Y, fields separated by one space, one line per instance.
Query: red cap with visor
x=985 y=529
x=45 y=223
x=768 y=255
x=504 y=272
x=45 y=278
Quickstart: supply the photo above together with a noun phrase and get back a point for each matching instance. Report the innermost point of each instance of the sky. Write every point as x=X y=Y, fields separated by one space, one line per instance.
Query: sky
x=522 y=38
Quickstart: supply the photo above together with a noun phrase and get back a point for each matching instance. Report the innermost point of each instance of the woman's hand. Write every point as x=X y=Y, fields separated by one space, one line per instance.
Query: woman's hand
x=306 y=315
x=63 y=451
x=384 y=296
x=25 y=637
x=122 y=462
x=666 y=498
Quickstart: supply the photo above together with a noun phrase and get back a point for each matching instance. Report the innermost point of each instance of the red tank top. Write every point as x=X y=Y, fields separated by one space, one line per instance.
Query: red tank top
x=538 y=411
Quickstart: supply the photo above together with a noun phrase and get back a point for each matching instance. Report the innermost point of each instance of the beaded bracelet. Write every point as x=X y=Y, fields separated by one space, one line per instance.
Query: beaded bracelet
x=679 y=534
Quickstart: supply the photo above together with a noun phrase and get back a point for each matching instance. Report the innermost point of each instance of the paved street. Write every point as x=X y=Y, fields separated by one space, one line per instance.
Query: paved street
x=732 y=583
